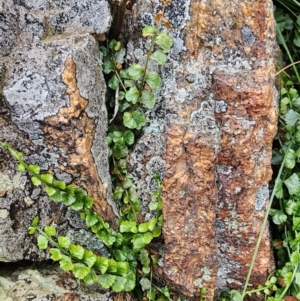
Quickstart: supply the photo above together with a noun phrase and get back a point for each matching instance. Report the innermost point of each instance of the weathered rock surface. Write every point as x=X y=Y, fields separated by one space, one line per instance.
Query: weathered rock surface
x=46 y=283
x=215 y=138
x=248 y=128
x=32 y=20
x=52 y=108
x=209 y=135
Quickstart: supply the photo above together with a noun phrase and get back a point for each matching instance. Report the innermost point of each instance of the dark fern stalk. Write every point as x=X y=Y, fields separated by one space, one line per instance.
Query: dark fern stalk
x=118 y=8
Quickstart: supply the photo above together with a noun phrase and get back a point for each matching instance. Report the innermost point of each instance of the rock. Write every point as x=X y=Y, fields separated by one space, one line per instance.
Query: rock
x=215 y=139
x=248 y=127
x=9 y=29
x=30 y=21
x=46 y=282
x=53 y=110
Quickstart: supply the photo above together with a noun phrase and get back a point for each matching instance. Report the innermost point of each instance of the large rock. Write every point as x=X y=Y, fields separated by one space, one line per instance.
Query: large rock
x=33 y=20
x=214 y=141
x=52 y=108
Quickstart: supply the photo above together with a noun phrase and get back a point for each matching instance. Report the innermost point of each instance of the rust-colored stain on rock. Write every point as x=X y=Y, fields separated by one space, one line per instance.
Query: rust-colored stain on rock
x=246 y=26
x=189 y=205
x=215 y=187
x=244 y=167
x=73 y=131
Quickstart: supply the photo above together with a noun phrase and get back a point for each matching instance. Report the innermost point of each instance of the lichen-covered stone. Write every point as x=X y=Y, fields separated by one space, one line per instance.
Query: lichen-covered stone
x=215 y=136
x=145 y=162
x=52 y=108
x=32 y=20
x=46 y=283
x=248 y=128
x=47 y=87
x=9 y=29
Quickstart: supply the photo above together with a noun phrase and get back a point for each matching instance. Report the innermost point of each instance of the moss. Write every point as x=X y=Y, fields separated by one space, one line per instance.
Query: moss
x=48 y=30
x=2 y=258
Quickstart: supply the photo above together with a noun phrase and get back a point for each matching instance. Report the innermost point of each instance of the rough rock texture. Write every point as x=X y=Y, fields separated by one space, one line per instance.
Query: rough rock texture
x=214 y=140
x=52 y=108
x=46 y=283
x=32 y=20
x=247 y=127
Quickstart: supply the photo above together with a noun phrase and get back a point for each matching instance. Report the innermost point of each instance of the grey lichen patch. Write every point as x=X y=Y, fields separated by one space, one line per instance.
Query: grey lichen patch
x=42 y=19
x=63 y=176
x=178 y=13
x=221 y=106
x=4 y=213
x=7 y=184
x=226 y=170
x=203 y=119
x=261 y=198
x=232 y=64
x=247 y=124
x=9 y=29
x=224 y=273
x=28 y=201
x=240 y=124
x=73 y=218
x=145 y=161
x=19 y=180
x=180 y=88
x=260 y=133
x=156 y=165
x=206 y=276
x=31 y=96
x=5 y=284
x=232 y=222
x=247 y=35
x=89 y=240
x=46 y=283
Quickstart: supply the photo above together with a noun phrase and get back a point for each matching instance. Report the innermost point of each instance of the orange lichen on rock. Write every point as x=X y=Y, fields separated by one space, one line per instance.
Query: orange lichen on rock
x=72 y=131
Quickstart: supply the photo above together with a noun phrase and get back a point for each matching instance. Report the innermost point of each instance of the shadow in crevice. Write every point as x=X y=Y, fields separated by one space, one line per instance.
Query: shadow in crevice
x=8 y=268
